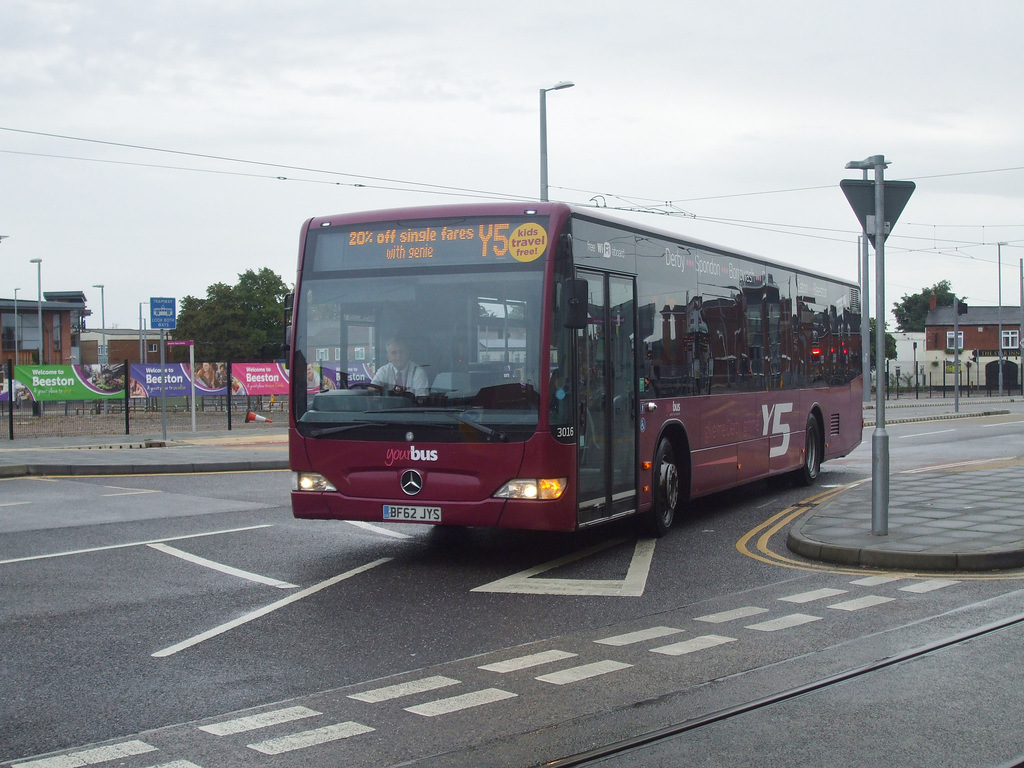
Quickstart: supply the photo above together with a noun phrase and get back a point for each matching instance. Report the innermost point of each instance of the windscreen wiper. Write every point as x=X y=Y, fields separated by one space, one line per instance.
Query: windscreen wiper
x=345 y=428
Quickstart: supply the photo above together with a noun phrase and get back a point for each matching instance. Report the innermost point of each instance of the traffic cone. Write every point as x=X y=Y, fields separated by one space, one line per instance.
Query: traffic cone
x=256 y=417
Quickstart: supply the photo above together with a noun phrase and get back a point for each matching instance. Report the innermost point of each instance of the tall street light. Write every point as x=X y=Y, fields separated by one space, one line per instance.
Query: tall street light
x=143 y=354
x=16 y=325
x=104 y=358
x=544 y=136
x=39 y=303
x=999 y=312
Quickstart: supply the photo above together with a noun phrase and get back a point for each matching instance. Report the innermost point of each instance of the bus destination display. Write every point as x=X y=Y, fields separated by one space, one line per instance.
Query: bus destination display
x=470 y=241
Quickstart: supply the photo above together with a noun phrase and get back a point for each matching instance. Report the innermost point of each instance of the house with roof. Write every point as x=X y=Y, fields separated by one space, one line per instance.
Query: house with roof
x=981 y=334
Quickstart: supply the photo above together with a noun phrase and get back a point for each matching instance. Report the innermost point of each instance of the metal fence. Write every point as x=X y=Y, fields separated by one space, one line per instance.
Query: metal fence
x=142 y=416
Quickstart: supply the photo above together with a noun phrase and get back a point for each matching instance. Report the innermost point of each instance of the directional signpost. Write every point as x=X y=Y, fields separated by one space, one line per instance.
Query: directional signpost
x=163 y=315
x=878 y=204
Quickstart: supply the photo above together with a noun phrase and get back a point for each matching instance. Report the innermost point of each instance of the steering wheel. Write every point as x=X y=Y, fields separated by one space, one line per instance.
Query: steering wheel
x=367 y=385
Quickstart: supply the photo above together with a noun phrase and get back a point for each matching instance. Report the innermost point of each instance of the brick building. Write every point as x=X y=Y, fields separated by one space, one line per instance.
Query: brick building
x=980 y=342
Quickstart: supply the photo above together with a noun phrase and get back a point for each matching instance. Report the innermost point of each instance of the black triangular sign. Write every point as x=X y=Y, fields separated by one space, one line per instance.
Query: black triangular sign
x=861 y=194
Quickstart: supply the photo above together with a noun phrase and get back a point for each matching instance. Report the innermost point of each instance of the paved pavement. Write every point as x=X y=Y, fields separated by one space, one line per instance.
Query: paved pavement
x=929 y=526
x=253 y=447
x=967 y=516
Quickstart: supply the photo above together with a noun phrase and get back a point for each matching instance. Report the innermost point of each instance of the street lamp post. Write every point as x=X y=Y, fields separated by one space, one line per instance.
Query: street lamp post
x=39 y=303
x=544 y=136
x=16 y=325
x=999 y=312
x=142 y=336
x=104 y=358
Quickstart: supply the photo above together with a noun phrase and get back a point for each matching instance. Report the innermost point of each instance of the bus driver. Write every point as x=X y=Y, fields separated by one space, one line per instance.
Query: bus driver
x=400 y=374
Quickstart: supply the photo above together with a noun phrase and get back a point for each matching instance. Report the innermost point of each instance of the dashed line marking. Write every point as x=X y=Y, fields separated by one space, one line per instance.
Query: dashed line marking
x=639 y=636
x=389 y=692
x=738 y=613
x=526 y=662
x=927 y=586
x=786 y=622
x=868 y=601
x=875 y=581
x=92 y=756
x=696 y=644
x=817 y=594
x=255 y=722
x=457 y=703
x=584 y=672
x=305 y=739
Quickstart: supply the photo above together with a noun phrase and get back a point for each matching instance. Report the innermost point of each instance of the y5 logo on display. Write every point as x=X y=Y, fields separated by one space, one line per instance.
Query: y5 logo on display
x=773 y=416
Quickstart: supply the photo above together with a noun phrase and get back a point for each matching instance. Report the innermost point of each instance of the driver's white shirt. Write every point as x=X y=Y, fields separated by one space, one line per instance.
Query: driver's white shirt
x=413 y=378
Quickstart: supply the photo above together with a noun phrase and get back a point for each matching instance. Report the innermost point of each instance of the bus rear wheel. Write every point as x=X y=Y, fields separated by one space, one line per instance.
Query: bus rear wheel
x=811 y=467
x=666 y=490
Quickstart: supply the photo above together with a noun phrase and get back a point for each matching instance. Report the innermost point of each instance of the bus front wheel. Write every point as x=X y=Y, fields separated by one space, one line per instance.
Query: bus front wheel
x=666 y=490
x=811 y=467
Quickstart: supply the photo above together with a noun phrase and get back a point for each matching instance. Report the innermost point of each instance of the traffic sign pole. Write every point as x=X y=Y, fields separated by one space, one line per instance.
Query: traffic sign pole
x=877 y=213
x=880 y=438
x=163 y=315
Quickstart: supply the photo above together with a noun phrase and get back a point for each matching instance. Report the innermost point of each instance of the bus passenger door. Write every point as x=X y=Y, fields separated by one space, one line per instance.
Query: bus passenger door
x=607 y=406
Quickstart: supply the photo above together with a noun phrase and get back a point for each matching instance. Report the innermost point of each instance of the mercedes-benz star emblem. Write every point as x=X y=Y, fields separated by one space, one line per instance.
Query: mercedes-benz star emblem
x=412 y=482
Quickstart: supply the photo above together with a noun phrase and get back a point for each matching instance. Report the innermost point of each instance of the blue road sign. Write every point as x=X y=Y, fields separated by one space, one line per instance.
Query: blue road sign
x=163 y=314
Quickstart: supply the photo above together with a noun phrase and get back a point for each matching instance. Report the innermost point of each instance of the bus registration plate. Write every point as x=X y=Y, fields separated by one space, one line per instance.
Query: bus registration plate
x=412 y=514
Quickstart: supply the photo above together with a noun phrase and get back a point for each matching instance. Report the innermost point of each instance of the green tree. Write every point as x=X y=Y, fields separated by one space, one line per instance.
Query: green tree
x=241 y=322
x=911 y=311
x=890 y=343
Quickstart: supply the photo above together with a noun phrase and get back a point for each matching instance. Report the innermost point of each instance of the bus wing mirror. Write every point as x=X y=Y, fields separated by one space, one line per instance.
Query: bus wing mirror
x=289 y=302
x=574 y=298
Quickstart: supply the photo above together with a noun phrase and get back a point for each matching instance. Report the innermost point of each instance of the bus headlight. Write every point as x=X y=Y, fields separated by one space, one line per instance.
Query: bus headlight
x=545 y=488
x=311 y=481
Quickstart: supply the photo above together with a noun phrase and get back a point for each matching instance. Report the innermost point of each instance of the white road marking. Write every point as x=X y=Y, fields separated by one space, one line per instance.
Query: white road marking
x=387 y=693
x=874 y=581
x=377 y=529
x=255 y=722
x=131 y=544
x=170 y=650
x=176 y=764
x=696 y=644
x=925 y=434
x=928 y=585
x=90 y=756
x=576 y=674
x=935 y=467
x=868 y=601
x=14 y=503
x=639 y=636
x=525 y=662
x=231 y=571
x=313 y=738
x=786 y=622
x=465 y=701
x=738 y=613
x=633 y=585
x=817 y=594
x=122 y=491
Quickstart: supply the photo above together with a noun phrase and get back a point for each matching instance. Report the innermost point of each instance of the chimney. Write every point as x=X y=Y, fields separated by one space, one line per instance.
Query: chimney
x=932 y=301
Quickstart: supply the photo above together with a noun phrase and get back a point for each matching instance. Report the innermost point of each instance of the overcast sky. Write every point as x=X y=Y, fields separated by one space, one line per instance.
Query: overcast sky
x=740 y=113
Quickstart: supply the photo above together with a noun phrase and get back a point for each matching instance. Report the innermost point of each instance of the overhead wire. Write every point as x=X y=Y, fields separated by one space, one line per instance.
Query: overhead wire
x=628 y=203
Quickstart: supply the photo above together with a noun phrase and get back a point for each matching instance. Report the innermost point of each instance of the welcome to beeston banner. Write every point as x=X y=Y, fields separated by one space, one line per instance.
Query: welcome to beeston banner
x=97 y=382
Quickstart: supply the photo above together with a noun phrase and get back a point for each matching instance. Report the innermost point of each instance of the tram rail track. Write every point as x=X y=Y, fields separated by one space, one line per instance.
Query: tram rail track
x=653 y=737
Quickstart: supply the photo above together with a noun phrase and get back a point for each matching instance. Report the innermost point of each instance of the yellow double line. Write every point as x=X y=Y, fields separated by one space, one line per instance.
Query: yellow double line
x=765 y=531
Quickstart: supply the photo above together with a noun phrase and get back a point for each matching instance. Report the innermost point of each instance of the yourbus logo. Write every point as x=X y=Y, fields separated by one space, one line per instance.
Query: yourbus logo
x=412 y=453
